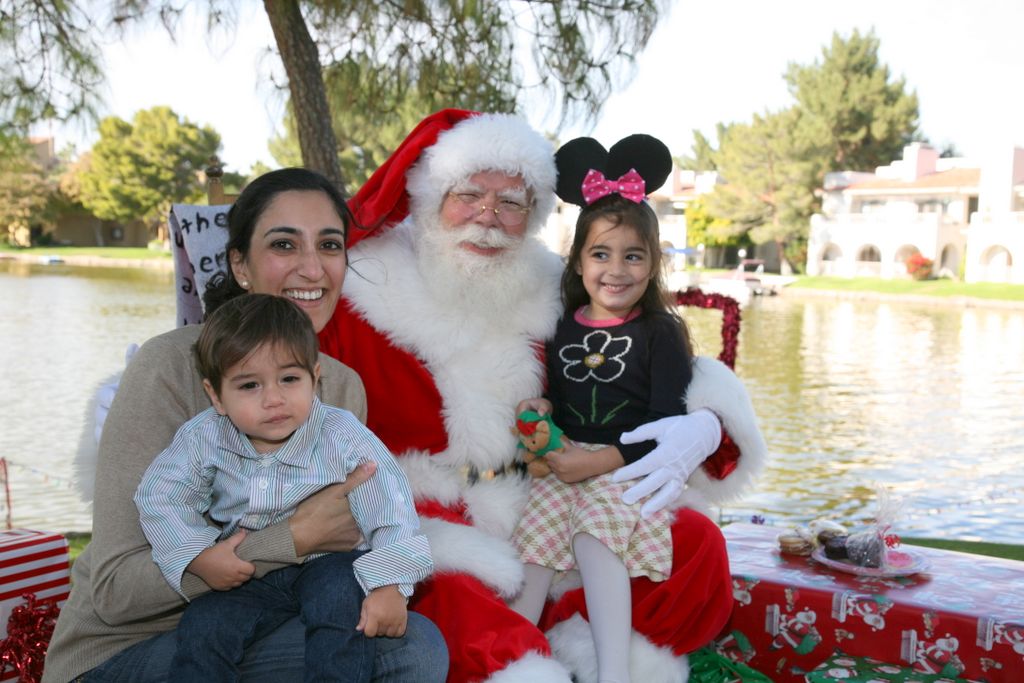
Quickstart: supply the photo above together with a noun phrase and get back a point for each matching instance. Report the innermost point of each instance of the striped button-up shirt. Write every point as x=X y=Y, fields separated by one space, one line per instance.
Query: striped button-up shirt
x=211 y=468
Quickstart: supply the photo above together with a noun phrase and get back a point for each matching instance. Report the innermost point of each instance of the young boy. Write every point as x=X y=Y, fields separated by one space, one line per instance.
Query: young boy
x=265 y=445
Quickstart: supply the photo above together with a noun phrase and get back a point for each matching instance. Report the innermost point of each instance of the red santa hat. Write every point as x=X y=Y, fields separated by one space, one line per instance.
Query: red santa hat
x=442 y=151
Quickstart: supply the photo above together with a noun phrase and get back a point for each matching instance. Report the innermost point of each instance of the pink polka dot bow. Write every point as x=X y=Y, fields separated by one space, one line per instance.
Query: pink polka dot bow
x=629 y=186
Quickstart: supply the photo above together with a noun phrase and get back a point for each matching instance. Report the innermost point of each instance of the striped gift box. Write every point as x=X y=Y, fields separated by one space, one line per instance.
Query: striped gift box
x=31 y=562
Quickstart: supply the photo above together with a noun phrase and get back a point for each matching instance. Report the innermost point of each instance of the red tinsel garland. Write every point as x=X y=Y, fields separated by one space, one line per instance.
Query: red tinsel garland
x=730 y=309
x=28 y=635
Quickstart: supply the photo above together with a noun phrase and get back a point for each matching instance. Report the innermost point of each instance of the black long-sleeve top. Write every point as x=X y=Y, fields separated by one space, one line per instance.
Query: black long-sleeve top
x=609 y=377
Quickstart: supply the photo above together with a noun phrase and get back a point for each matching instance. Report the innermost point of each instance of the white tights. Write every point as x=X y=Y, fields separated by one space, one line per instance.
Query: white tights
x=609 y=603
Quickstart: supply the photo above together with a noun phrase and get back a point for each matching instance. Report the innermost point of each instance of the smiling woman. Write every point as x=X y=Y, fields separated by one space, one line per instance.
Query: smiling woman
x=286 y=237
x=297 y=250
x=287 y=240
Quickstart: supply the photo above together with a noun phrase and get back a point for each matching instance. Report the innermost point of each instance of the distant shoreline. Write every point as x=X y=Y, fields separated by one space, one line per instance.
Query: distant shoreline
x=790 y=292
x=864 y=295
x=90 y=261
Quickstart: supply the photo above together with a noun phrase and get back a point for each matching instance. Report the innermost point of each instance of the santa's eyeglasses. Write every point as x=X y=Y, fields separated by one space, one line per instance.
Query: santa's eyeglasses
x=509 y=213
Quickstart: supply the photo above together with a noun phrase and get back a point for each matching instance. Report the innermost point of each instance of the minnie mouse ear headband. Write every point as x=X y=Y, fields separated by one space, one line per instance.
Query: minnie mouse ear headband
x=445 y=149
x=632 y=168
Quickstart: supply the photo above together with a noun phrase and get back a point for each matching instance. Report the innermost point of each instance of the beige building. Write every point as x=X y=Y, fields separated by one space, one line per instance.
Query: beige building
x=966 y=216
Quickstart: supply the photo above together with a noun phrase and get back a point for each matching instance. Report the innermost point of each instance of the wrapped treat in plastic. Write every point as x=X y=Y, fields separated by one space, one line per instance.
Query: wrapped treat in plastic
x=835 y=548
x=868 y=548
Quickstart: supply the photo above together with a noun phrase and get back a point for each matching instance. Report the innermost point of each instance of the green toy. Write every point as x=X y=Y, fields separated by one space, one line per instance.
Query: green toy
x=538 y=435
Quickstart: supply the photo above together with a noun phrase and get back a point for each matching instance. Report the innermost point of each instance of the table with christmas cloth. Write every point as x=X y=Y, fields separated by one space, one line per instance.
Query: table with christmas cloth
x=963 y=617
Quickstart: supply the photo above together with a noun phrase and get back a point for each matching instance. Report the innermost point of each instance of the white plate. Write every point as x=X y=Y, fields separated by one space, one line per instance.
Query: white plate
x=901 y=562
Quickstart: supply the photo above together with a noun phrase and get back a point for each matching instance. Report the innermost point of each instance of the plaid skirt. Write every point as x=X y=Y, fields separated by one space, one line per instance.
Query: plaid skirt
x=557 y=511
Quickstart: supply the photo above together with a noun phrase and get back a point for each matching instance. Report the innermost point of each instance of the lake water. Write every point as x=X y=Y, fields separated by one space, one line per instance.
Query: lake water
x=923 y=399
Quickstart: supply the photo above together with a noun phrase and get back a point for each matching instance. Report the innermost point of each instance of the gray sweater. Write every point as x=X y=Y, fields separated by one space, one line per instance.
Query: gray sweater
x=118 y=596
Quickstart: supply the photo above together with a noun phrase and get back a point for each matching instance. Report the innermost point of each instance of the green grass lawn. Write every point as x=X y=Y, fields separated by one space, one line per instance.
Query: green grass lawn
x=77 y=541
x=937 y=288
x=1008 y=552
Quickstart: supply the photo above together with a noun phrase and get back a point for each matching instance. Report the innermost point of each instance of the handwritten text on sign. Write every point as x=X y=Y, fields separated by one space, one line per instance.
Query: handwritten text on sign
x=199 y=235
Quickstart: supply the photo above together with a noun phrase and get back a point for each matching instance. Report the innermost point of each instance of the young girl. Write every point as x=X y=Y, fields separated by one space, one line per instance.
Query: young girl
x=620 y=357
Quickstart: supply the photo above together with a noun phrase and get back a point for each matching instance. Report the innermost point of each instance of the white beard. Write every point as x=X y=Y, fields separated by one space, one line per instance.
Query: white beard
x=463 y=278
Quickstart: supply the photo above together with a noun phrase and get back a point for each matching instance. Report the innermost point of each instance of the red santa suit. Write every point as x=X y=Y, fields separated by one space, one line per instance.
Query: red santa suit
x=442 y=383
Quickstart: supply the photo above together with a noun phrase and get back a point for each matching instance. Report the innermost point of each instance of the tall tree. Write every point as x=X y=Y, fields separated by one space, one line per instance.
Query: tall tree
x=770 y=173
x=301 y=59
x=849 y=115
x=26 y=191
x=702 y=154
x=580 y=49
x=704 y=228
x=138 y=169
x=852 y=106
x=389 y=64
x=49 y=62
x=371 y=116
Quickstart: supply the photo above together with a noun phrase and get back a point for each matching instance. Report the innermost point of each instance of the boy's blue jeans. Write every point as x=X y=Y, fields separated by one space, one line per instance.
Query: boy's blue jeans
x=420 y=656
x=217 y=627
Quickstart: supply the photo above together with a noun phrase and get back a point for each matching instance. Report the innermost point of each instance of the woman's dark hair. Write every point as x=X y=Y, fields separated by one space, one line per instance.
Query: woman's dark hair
x=243 y=324
x=248 y=209
x=639 y=216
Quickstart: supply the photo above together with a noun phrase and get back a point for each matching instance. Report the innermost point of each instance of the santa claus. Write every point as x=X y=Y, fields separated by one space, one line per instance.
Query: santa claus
x=444 y=315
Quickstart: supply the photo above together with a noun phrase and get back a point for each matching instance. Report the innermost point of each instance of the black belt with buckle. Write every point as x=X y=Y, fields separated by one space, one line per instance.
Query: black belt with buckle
x=471 y=474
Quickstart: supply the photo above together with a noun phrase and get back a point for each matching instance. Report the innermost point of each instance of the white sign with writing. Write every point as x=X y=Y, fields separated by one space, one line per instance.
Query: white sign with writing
x=199 y=236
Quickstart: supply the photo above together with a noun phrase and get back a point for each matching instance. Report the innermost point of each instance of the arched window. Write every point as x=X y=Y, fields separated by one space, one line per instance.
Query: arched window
x=869 y=252
x=996 y=264
x=949 y=261
x=832 y=252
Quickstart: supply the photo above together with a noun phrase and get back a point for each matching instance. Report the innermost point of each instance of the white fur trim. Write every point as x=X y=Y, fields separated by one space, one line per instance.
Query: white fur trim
x=493 y=506
x=480 y=358
x=532 y=668
x=466 y=549
x=491 y=502
x=718 y=389
x=573 y=644
x=488 y=142
x=429 y=482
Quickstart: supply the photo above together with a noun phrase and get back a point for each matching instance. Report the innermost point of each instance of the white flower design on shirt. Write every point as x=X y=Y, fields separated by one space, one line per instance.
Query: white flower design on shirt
x=599 y=356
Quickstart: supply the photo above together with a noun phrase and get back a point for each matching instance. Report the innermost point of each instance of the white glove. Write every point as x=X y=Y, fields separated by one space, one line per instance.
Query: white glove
x=105 y=395
x=684 y=442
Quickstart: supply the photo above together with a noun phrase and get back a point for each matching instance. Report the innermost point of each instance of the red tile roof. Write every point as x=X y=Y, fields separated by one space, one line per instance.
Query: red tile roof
x=956 y=177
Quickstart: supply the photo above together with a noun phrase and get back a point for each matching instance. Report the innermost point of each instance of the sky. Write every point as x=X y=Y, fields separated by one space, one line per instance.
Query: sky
x=710 y=62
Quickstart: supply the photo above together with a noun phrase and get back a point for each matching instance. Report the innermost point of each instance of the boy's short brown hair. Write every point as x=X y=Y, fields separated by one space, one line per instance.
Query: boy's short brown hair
x=243 y=324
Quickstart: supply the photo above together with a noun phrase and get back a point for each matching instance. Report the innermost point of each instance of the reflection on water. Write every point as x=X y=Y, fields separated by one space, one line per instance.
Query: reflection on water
x=923 y=399
x=64 y=330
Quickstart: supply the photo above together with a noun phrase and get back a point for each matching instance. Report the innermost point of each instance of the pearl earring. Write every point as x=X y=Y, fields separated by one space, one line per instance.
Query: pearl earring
x=244 y=284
